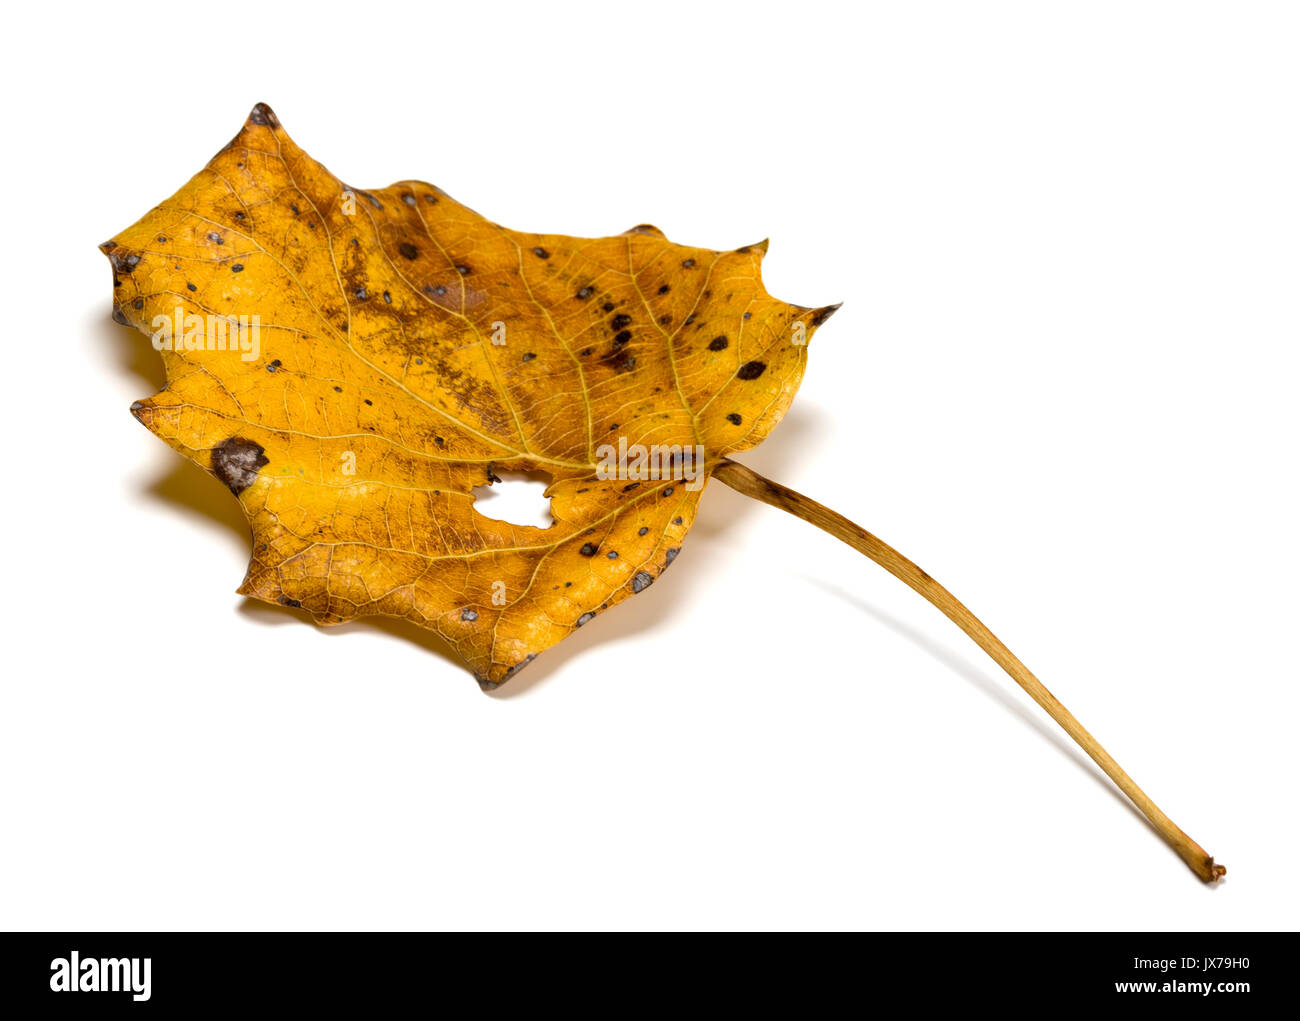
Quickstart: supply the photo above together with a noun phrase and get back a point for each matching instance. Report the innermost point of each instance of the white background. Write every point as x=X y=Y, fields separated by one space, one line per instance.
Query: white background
x=1067 y=239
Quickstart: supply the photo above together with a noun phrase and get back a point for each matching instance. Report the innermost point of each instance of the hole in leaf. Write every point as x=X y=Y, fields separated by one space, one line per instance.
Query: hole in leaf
x=517 y=498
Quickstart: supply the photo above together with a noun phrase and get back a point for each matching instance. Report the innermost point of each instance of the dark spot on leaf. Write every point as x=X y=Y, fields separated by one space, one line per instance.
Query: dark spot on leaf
x=462 y=269
x=529 y=356
x=733 y=418
x=619 y=361
x=541 y=253
x=718 y=344
x=584 y=618
x=687 y=263
x=237 y=268
x=642 y=530
x=751 y=370
x=236 y=461
x=583 y=294
x=622 y=338
x=619 y=321
x=408 y=250
x=123 y=263
x=191 y=287
x=263 y=116
x=672 y=555
x=388 y=298
x=612 y=555
x=588 y=549
x=641 y=581
x=664 y=289
x=468 y=615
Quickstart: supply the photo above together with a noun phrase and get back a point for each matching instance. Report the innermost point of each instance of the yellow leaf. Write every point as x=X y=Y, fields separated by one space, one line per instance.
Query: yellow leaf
x=353 y=363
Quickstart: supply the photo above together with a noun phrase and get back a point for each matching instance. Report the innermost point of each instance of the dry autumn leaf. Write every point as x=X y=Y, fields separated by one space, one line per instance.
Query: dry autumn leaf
x=407 y=339
x=352 y=364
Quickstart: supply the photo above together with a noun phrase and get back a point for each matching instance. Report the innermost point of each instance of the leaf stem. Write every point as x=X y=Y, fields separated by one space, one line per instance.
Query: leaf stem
x=751 y=484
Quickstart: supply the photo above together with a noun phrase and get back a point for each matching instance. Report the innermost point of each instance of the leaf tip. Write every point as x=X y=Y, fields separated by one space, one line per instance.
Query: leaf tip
x=648 y=229
x=822 y=314
x=263 y=116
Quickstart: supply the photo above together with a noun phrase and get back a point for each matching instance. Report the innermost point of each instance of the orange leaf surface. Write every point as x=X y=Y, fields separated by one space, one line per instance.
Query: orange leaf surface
x=397 y=347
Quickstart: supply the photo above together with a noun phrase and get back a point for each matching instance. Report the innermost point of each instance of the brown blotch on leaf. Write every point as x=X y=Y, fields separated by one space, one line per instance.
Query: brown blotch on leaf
x=123 y=262
x=263 y=116
x=236 y=462
x=618 y=360
x=751 y=370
